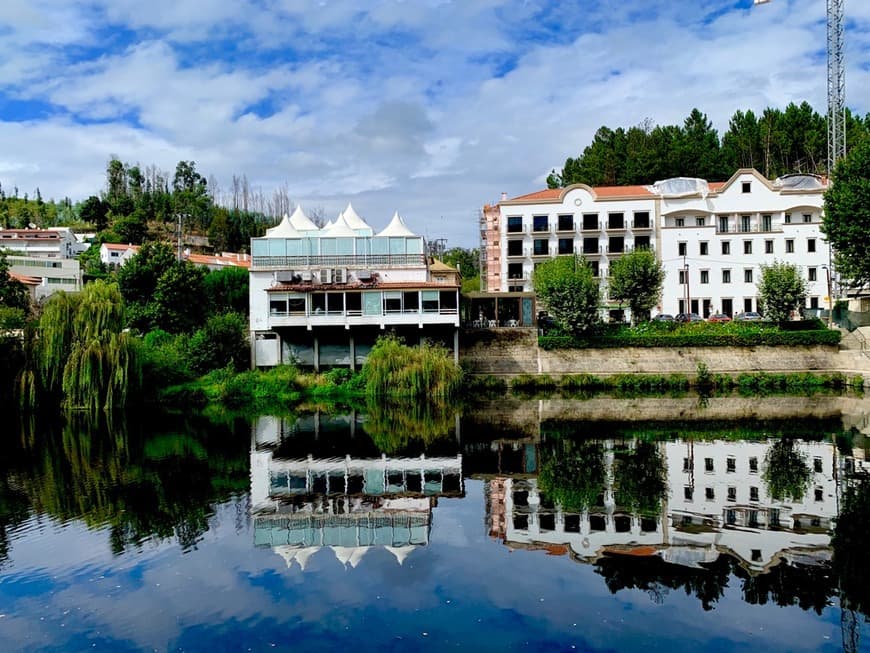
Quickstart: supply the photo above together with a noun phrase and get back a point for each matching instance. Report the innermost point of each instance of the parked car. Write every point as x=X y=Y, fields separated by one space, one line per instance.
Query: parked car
x=748 y=316
x=718 y=317
x=663 y=317
x=688 y=317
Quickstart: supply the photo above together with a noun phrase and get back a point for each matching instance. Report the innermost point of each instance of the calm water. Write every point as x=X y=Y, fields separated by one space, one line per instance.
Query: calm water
x=399 y=531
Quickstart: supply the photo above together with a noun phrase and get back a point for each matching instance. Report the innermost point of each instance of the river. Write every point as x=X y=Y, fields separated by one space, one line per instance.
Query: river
x=601 y=525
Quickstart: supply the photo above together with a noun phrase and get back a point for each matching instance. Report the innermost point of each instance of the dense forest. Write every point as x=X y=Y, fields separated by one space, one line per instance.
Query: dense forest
x=775 y=142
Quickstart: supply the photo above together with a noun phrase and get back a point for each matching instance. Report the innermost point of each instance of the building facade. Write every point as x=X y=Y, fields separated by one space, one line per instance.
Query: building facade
x=322 y=297
x=712 y=238
x=45 y=256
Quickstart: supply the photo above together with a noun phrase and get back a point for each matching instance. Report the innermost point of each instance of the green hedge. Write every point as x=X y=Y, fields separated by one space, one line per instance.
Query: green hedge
x=677 y=339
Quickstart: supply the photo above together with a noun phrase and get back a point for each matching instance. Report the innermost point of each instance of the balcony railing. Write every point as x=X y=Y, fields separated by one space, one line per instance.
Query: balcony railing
x=358 y=313
x=340 y=261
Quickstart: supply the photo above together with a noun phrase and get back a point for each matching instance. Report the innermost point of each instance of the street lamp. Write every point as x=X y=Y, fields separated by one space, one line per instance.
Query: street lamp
x=830 y=299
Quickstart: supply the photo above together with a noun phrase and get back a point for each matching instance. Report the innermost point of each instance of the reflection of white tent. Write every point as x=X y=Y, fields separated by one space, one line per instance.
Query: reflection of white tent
x=288 y=553
x=357 y=555
x=689 y=556
x=401 y=552
x=343 y=553
x=304 y=554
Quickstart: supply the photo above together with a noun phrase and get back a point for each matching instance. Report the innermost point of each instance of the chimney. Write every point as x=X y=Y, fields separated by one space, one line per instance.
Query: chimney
x=503 y=197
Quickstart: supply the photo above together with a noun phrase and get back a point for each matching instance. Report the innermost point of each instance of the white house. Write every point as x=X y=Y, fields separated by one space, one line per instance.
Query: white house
x=323 y=296
x=711 y=237
x=45 y=255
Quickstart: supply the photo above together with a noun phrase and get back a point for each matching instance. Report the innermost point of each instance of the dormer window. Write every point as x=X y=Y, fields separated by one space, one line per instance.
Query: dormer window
x=746 y=186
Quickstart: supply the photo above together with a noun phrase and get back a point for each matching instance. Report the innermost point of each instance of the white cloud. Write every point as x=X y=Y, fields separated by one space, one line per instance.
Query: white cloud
x=397 y=106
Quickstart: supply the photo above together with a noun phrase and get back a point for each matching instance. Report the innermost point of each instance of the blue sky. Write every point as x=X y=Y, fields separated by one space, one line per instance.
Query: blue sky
x=428 y=107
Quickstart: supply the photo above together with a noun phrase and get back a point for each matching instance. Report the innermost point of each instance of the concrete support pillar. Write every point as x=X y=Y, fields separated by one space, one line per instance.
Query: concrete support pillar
x=316 y=354
x=253 y=343
x=456 y=346
x=352 y=354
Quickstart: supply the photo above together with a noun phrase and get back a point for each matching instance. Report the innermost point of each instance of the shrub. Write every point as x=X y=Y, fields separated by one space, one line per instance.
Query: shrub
x=222 y=341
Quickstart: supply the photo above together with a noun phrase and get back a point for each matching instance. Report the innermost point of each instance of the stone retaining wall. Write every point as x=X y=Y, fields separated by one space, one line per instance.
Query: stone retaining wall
x=511 y=352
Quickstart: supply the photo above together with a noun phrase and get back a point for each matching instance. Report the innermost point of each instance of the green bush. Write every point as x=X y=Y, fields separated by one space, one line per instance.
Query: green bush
x=222 y=341
x=701 y=334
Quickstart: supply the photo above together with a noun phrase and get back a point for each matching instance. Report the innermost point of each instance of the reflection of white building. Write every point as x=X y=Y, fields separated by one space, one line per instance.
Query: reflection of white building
x=348 y=505
x=719 y=499
x=717 y=502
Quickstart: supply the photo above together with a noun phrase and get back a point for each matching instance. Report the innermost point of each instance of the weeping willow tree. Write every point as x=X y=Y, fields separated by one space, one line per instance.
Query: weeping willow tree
x=81 y=356
x=394 y=369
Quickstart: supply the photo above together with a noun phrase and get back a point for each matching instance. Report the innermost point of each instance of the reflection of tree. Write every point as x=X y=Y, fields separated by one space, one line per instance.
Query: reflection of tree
x=655 y=576
x=639 y=479
x=161 y=486
x=786 y=471
x=808 y=586
x=572 y=473
x=394 y=425
x=851 y=563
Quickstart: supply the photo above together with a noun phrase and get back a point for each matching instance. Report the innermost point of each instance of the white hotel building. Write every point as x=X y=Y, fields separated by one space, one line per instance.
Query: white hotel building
x=321 y=297
x=711 y=237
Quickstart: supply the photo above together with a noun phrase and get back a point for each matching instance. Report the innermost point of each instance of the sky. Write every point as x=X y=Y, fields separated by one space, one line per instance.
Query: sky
x=431 y=108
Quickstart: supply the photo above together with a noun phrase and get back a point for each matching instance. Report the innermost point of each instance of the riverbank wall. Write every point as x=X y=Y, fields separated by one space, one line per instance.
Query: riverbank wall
x=509 y=353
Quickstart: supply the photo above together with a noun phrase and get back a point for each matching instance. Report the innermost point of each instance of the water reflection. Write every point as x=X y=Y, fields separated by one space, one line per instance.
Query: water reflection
x=302 y=504
x=138 y=482
x=685 y=514
x=171 y=529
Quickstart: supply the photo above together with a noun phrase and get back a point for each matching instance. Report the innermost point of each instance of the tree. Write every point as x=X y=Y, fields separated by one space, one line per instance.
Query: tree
x=226 y=290
x=636 y=279
x=83 y=355
x=94 y=210
x=781 y=290
x=846 y=222
x=13 y=294
x=176 y=306
x=566 y=287
x=222 y=341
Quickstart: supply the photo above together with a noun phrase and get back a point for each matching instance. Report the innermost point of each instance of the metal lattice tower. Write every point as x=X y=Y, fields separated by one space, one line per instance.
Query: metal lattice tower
x=836 y=83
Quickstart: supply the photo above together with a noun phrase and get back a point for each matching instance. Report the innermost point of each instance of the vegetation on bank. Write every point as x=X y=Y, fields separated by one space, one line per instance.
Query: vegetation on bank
x=695 y=334
x=393 y=370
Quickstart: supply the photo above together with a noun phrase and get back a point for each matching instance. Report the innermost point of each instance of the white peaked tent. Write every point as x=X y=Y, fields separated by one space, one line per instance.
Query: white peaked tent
x=302 y=222
x=353 y=219
x=397 y=227
x=401 y=552
x=284 y=229
x=338 y=229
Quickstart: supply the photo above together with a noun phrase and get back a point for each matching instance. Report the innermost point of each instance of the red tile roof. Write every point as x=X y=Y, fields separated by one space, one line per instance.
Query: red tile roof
x=26 y=280
x=602 y=192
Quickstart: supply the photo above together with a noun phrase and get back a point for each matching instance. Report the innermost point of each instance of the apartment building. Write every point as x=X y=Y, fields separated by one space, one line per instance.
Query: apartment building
x=711 y=237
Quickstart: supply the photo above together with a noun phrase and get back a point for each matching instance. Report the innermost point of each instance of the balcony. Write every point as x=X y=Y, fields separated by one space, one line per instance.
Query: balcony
x=350 y=318
x=641 y=225
x=615 y=225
